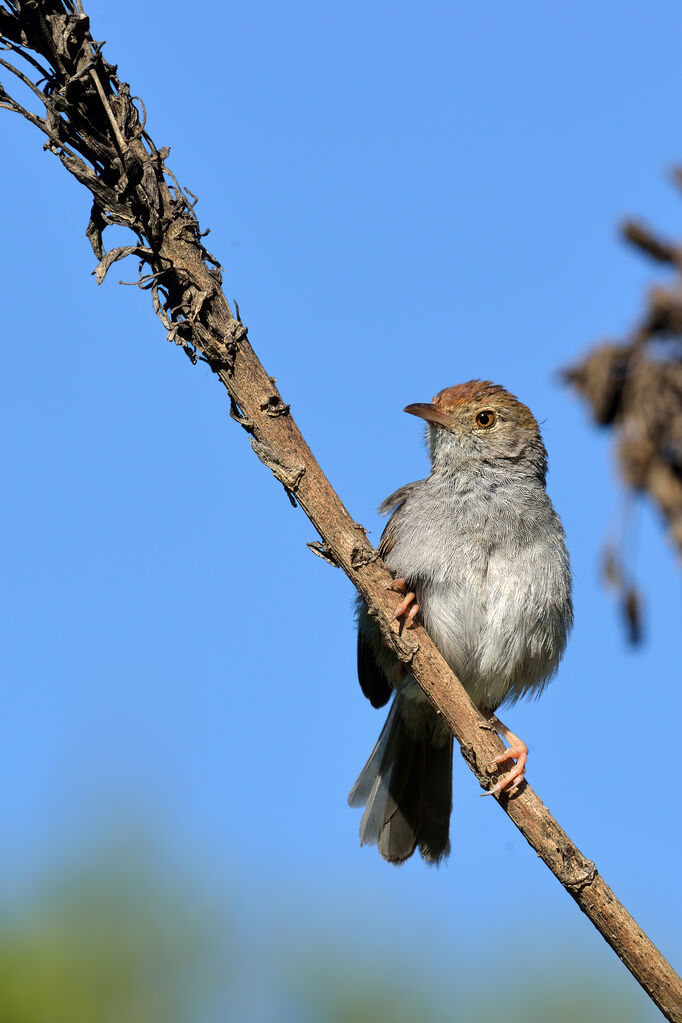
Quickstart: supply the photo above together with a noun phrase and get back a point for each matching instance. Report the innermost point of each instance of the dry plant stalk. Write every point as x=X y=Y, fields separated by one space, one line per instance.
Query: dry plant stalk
x=133 y=187
x=634 y=387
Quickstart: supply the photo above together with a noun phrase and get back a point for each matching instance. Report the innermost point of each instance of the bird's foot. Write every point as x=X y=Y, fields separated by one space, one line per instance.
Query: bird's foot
x=510 y=781
x=408 y=606
x=517 y=751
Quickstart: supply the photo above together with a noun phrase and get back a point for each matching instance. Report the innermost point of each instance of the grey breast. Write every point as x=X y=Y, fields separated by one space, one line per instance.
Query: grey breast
x=490 y=569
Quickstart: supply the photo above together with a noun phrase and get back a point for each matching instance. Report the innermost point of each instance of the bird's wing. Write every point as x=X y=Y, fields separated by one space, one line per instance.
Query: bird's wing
x=398 y=497
x=373 y=659
x=371 y=676
x=396 y=504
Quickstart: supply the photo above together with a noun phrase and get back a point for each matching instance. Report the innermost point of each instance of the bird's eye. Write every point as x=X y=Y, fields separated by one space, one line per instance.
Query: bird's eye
x=486 y=419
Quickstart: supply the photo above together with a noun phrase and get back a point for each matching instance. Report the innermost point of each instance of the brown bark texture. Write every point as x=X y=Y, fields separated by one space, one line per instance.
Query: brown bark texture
x=96 y=128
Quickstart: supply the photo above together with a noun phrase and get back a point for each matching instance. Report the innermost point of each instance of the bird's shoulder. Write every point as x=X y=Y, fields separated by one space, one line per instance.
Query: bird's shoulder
x=399 y=496
x=395 y=504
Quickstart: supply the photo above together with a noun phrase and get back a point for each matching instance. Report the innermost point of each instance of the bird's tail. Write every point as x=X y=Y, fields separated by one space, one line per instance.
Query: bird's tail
x=406 y=789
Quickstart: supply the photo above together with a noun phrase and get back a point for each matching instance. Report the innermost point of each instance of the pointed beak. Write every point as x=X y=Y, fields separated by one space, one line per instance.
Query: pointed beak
x=431 y=413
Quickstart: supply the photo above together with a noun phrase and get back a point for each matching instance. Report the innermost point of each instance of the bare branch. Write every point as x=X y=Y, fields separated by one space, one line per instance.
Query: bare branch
x=129 y=181
x=22 y=78
x=649 y=243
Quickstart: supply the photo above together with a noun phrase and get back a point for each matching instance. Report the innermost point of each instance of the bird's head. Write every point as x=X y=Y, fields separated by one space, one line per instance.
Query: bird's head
x=479 y=423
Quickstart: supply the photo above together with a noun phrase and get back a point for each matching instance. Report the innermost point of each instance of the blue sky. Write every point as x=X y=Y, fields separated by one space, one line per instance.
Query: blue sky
x=403 y=197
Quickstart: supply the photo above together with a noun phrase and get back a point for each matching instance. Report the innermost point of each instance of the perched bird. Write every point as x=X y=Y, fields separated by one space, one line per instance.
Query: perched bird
x=478 y=552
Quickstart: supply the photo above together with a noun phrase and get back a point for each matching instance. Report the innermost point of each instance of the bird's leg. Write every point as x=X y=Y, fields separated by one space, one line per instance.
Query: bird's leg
x=400 y=586
x=517 y=751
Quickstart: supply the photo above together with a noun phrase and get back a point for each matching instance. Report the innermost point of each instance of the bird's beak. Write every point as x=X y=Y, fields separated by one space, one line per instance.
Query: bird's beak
x=431 y=413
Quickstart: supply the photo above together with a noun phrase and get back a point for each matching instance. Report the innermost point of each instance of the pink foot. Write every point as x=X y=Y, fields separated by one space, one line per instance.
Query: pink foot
x=410 y=599
x=518 y=751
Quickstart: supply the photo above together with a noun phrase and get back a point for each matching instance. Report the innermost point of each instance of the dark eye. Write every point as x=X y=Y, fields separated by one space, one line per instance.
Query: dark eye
x=486 y=419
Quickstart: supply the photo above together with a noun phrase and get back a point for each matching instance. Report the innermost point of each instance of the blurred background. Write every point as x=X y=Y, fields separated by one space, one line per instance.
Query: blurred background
x=403 y=197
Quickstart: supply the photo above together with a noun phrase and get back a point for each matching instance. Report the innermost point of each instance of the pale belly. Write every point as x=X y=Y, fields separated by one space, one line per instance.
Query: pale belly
x=489 y=566
x=500 y=623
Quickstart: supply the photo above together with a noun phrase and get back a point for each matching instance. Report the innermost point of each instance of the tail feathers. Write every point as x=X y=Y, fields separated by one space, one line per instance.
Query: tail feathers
x=370 y=775
x=406 y=789
x=403 y=806
x=434 y=838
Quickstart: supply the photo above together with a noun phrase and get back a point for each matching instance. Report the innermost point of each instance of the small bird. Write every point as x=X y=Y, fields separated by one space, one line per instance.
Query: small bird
x=479 y=553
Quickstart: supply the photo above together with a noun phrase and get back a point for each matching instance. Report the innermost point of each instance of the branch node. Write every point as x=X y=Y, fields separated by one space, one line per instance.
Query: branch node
x=274 y=406
x=469 y=754
x=232 y=337
x=361 y=556
x=403 y=646
x=113 y=255
x=288 y=475
x=322 y=550
x=576 y=872
x=239 y=417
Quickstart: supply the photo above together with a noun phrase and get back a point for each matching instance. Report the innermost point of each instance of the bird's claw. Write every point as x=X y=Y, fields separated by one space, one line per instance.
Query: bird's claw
x=511 y=781
x=398 y=585
x=408 y=602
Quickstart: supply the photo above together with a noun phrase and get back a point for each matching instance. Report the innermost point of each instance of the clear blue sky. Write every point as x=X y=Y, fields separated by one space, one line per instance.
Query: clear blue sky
x=404 y=197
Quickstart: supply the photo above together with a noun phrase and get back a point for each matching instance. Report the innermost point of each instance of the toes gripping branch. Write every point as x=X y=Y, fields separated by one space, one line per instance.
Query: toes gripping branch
x=510 y=782
x=408 y=606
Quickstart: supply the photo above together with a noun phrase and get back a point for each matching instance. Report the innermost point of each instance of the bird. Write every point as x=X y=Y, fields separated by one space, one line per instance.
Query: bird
x=478 y=554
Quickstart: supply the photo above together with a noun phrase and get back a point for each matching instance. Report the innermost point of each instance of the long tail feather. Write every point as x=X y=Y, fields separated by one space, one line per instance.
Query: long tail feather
x=360 y=793
x=434 y=838
x=406 y=789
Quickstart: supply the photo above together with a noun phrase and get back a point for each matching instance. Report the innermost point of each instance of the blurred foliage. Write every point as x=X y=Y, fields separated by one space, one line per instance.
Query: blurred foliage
x=342 y=988
x=115 y=935
x=107 y=939
x=396 y=1000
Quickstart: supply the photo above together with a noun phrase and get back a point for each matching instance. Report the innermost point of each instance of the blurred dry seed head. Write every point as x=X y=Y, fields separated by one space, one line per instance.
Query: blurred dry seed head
x=634 y=387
